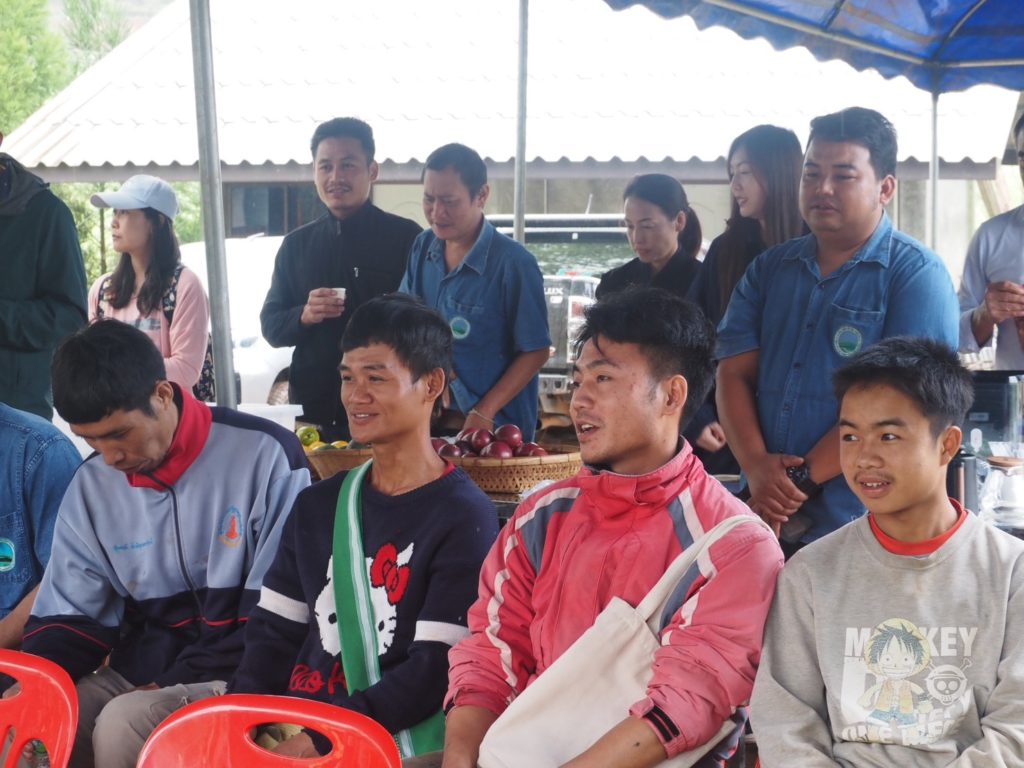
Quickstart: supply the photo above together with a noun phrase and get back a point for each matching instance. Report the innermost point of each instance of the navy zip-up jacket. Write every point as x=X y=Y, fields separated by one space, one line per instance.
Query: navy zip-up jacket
x=160 y=571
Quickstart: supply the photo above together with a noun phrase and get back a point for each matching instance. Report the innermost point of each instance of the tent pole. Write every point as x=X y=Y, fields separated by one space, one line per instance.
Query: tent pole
x=212 y=199
x=519 y=204
x=933 y=177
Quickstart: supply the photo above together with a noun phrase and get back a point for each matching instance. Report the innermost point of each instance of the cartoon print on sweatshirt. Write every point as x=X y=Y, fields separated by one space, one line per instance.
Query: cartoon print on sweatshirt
x=895 y=688
x=389 y=573
x=896 y=652
x=389 y=577
x=327 y=614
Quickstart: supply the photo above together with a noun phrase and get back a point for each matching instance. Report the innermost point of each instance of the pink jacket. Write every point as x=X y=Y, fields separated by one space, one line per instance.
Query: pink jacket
x=183 y=342
x=574 y=545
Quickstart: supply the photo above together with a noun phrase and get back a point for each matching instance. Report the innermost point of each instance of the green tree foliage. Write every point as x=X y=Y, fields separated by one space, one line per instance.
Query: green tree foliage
x=94 y=28
x=33 y=61
x=189 y=223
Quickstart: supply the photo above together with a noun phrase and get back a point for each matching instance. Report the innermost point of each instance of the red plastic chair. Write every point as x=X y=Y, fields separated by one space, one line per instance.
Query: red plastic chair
x=216 y=732
x=46 y=708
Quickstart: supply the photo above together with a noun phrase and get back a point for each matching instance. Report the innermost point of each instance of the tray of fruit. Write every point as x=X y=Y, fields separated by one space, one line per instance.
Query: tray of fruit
x=327 y=459
x=500 y=462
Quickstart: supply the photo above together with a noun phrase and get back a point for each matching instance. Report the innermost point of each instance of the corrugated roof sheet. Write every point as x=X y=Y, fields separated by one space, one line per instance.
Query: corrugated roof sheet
x=603 y=85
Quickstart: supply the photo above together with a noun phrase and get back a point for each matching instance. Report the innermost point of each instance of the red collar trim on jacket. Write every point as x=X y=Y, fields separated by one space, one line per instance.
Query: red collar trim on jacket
x=917 y=548
x=194 y=419
x=645 y=494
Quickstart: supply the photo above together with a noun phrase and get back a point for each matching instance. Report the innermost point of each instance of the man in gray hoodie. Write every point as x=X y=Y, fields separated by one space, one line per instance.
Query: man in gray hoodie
x=42 y=295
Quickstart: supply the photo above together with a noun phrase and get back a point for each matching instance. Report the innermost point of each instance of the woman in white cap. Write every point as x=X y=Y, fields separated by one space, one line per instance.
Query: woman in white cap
x=150 y=288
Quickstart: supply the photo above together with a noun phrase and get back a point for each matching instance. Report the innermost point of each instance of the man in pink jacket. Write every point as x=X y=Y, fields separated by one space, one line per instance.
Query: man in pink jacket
x=644 y=364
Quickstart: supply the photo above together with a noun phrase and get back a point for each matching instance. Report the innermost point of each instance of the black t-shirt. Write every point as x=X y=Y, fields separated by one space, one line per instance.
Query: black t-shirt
x=675 y=277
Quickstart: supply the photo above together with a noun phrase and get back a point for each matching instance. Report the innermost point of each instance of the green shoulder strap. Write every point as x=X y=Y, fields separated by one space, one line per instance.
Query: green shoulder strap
x=356 y=620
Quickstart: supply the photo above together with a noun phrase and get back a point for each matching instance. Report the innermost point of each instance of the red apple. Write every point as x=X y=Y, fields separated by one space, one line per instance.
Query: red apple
x=509 y=433
x=530 y=449
x=467 y=449
x=465 y=433
x=437 y=443
x=480 y=438
x=450 y=451
x=497 y=449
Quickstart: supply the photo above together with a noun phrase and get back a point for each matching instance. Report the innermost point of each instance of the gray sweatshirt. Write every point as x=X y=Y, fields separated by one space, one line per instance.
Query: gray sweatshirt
x=878 y=659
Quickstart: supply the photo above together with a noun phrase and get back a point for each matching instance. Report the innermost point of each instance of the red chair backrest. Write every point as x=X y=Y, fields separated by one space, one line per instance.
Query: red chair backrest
x=46 y=708
x=216 y=732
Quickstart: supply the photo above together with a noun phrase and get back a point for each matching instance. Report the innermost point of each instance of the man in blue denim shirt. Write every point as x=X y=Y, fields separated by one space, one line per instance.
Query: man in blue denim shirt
x=36 y=465
x=489 y=289
x=804 y=307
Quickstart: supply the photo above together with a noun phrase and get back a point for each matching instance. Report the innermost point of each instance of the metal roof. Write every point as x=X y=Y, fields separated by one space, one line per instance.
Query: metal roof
x=606 y=88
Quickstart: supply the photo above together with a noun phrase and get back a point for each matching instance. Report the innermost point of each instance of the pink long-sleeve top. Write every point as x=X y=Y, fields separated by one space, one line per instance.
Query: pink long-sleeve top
x=183 y=341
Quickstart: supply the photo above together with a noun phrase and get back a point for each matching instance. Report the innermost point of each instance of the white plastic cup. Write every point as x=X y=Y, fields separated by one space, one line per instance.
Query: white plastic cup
x=339 y=292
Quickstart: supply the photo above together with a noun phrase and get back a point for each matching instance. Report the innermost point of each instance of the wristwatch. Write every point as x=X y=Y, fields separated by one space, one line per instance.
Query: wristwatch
x=801 y=477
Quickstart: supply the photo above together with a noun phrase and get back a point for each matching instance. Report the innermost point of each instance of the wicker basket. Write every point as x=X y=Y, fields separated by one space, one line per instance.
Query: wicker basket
x=505 y=477
x=328 y=463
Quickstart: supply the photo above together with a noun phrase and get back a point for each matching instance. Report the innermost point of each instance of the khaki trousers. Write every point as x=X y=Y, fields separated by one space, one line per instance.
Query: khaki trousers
x=114 y=719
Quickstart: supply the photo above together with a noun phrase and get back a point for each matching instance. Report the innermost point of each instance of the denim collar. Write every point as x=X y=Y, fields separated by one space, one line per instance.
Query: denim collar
x=875 y=249
x=475 y=260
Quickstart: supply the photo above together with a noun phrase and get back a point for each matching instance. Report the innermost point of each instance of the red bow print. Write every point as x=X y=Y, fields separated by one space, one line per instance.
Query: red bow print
x=386 y=572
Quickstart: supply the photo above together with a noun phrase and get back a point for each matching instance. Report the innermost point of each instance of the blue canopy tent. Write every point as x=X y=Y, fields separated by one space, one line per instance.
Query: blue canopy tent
x=939 y=45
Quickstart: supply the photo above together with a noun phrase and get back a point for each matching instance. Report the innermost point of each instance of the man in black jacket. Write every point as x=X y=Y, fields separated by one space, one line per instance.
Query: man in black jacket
x=42 y=296
x=356 y=247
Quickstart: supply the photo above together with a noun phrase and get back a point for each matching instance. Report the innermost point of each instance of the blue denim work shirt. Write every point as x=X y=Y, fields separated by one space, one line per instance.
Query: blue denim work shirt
x=806 y=326
x=36 y=464
x=494 y=303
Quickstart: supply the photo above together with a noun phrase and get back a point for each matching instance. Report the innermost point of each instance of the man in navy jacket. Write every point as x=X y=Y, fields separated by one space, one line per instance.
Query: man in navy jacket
x=161 y=543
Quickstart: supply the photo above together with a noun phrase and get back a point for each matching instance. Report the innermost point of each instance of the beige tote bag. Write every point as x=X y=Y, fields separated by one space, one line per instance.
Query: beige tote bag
x=590 y=688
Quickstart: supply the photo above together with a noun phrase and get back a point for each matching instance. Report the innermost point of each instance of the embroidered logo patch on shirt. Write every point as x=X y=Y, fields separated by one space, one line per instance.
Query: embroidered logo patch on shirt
x=7 y=555
x=229 y=532
x=847 y=341
x=460 y=327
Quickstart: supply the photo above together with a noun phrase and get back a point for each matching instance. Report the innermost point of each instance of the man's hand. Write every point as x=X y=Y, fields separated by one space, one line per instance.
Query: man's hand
x=477 y=421
x=772 y=494
x=322 y=304
x=630 y=744
x=464 y=730
x=299 y=745
x=1003 y=300
x=712 y=437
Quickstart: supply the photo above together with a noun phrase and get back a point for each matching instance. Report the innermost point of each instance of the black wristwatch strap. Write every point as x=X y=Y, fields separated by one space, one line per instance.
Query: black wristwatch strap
x=801 y=477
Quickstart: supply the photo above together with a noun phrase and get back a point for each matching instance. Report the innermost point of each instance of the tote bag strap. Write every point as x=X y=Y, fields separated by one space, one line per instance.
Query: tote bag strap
x=654 y=602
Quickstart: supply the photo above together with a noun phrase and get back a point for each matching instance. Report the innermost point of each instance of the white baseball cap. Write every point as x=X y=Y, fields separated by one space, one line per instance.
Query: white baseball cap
x=141 y=191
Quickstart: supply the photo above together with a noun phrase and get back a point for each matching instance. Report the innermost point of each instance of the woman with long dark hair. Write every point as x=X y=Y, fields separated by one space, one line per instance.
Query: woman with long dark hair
x=664 y=233
x=764 y=180
x=150 y=288
x=765 y=164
